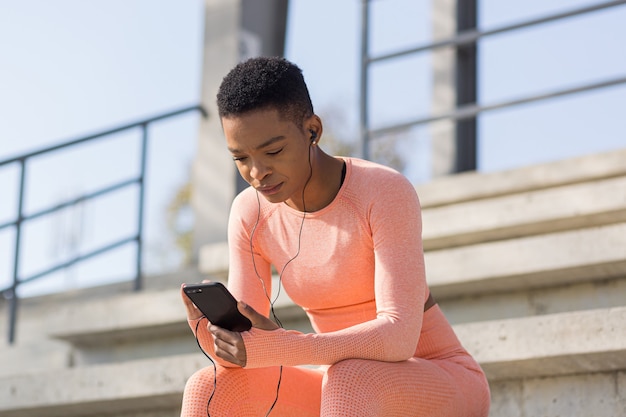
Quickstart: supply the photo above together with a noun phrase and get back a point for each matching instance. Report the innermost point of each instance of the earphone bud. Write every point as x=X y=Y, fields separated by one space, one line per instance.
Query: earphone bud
x=313 y=135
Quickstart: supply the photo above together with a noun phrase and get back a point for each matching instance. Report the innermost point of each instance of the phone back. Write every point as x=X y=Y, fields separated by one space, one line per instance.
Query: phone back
x=218 y=305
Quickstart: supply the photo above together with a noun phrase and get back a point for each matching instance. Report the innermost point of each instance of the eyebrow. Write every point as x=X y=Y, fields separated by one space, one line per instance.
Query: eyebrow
x=267 y=143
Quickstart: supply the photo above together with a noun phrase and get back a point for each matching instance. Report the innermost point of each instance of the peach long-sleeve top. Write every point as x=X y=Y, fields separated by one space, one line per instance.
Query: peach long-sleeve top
x=359 y=274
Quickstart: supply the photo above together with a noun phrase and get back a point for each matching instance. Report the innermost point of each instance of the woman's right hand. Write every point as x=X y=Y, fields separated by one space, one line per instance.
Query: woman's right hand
x=192 y=311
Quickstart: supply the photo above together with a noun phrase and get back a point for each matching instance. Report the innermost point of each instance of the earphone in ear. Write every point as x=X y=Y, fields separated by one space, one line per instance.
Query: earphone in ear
x=313 y=135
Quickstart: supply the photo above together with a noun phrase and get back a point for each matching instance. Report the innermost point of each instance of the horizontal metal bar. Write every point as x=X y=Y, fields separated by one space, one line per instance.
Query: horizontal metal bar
x=82 y=198
x=105 y=133
x=77 y=259
x=472 y=110
x=9 y=224
x=75 y=201
x=471 y=36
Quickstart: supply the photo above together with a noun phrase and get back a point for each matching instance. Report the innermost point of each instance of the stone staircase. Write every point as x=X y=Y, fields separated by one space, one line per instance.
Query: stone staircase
x=529 y=265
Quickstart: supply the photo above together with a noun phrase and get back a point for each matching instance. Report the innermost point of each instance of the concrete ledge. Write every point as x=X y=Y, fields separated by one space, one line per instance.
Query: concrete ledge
x=118 y=318
x=35 y=312
x=476 y=185
x=28 y=358
x=530 y=262
x=132 y=317
x=534 y=302
x=568 y=207
x=117 y=388
x=597 y=395
x=557 y=344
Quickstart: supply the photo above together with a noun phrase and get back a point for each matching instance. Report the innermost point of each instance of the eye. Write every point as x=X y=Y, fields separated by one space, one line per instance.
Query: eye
x=239 y=158
x=275 y=152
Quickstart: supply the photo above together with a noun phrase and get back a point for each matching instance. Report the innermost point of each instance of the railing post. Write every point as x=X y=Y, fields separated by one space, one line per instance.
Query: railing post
x=142 y=191
x=364 y=80
x=466 y=88
x=13 y=300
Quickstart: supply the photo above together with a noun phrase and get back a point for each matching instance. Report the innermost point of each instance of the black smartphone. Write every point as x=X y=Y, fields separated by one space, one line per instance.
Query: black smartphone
x=218 y=305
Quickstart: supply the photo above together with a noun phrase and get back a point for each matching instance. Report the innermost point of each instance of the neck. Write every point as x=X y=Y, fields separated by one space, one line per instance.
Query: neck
x=324 y=184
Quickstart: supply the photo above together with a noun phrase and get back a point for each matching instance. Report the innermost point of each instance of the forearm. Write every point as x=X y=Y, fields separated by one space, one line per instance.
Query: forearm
x=374 y=340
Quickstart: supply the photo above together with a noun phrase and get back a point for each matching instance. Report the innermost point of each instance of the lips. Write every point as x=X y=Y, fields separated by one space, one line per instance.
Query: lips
x=270 y=189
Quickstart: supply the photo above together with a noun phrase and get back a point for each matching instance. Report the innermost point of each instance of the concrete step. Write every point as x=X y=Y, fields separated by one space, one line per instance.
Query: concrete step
x=594 y=394
x=148 y=324
x=580 y=296
x=115 y=389
x=469 y=186
x=571 y=364
x=548 y=345
x=33 y=312
x=547 y=348
x=548 y=210
x=113 y=320
x=27 y=358
x=136 y=325
x=553 y=259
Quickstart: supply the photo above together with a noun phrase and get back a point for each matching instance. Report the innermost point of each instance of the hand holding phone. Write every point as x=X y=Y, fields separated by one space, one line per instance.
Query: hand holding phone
x=218 y=305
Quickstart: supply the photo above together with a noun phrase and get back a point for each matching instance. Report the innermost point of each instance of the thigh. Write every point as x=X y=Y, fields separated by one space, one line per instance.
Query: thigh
x=416 y=387
x=251 y=392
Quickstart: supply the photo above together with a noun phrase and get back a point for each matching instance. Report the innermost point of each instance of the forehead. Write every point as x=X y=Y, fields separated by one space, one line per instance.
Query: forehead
x=253 y=129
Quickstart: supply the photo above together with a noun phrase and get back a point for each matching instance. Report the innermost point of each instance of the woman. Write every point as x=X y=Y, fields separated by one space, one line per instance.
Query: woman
x=345 y=236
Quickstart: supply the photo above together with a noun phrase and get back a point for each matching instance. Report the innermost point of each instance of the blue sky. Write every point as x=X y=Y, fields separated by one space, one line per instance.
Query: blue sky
x=73 y=67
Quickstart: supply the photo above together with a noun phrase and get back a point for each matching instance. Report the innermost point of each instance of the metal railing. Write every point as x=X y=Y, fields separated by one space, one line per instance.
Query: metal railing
x=463 y=39
x=10 y=293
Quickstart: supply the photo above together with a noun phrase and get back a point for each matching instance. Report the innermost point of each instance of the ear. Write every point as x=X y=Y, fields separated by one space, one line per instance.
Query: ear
x=313 y=125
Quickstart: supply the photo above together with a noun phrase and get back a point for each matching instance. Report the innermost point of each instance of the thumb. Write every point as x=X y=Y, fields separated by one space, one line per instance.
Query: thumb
x=258 y=320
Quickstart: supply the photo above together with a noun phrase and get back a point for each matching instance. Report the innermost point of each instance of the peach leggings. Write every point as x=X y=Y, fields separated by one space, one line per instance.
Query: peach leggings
x=353 y=387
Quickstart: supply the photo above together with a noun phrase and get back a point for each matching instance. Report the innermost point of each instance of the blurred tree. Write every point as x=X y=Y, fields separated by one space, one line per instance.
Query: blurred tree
x=179 y=223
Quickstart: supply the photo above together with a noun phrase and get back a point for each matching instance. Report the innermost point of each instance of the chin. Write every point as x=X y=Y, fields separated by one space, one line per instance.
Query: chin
x=275 y=198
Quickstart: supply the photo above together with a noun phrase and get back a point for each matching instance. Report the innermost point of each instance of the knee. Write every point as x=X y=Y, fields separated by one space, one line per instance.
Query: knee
x=221 y=391
x=348 y=388
x=347 y=370
x=349 y=375
x=202 y=382
x=199 y=383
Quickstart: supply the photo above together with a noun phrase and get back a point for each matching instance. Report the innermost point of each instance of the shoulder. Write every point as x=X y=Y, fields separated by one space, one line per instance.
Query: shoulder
x=245 y=201
x=371 y=178
x=245 y=208
x=248 y=208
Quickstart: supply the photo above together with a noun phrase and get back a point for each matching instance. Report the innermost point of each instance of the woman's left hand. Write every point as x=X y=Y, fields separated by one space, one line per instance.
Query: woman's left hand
x=229 y=345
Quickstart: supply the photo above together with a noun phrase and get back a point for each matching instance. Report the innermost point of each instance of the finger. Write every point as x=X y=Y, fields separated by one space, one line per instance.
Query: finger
x=192 y=311
x=228 y=356
x=232 y=338
x=258 y=320
x=229 y=345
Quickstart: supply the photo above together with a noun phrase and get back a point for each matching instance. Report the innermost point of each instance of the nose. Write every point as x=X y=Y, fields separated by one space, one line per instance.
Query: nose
x=258 y=170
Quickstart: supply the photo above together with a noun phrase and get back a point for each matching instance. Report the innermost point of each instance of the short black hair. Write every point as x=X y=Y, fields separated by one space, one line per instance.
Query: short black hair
x=265 y=83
